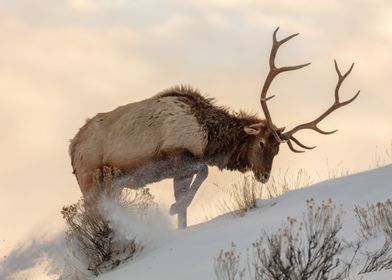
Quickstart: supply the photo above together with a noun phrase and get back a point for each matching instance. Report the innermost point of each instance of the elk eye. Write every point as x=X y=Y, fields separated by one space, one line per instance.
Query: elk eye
x=262 y=145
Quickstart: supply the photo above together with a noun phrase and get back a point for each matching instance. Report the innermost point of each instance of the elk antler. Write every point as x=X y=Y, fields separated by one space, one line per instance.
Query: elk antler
x=274 y=71
x=288 y=136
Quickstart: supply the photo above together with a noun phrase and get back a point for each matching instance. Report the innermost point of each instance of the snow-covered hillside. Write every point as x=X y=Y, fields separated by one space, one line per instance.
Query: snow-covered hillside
x=189 y=254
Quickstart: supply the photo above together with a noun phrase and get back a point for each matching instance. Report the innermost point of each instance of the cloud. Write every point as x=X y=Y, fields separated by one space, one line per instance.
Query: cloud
x=171 y=28
x=84 y=6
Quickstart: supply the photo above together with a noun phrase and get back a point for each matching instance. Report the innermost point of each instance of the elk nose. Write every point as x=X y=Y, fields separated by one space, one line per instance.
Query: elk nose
x=264 y=178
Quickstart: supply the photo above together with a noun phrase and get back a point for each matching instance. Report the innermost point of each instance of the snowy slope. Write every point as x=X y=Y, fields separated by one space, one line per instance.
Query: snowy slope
x=189 y=254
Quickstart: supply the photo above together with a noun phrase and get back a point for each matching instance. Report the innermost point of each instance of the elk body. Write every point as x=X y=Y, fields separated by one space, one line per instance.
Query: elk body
x=178 y=133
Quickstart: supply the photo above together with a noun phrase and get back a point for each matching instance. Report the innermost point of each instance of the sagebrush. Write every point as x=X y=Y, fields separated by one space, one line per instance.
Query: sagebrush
x=307 y=250
x=310 y=249
x=90 y=235
x=375 y=217
x=373 y=220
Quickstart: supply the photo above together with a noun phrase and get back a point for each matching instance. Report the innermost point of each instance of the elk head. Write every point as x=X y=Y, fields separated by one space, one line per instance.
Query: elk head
x=267 y=136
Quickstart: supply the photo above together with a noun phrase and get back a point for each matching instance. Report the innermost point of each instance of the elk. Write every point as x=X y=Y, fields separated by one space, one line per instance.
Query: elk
x=179 y=132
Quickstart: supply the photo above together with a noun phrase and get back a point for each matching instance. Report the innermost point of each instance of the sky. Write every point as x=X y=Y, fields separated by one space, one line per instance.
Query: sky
x=64 y=61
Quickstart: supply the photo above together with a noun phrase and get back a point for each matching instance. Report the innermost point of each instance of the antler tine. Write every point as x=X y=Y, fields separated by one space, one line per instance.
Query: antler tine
x=292 y=147
x=336 y=105
x=302 y=145
x=275 y=46
x=274 y=71
x=295 y=140
x=341 y=78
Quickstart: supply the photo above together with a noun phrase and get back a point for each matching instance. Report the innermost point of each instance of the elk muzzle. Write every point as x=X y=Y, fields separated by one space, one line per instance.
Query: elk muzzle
x=263 y=177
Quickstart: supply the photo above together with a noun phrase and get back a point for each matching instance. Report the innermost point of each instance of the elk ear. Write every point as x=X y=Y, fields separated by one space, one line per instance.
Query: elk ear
x=255 y=129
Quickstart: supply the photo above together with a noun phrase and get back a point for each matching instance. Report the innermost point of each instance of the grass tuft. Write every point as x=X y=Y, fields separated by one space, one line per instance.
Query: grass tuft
x=243 y=195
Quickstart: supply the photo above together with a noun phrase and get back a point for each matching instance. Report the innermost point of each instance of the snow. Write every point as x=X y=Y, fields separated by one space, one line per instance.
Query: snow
x=189 y=254
x=379 y=275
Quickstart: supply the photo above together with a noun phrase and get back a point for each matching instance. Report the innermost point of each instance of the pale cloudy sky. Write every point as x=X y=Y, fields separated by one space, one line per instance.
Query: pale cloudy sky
x=63 y=61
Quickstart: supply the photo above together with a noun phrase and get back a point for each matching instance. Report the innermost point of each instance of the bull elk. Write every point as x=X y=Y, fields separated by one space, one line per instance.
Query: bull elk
x=178 y=133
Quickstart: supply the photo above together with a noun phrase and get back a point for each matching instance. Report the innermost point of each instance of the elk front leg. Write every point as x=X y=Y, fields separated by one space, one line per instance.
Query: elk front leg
x=181 y=187
x=185 y=191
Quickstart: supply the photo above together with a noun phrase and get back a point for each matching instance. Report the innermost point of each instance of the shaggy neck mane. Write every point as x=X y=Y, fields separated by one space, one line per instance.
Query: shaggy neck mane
x=228 y=144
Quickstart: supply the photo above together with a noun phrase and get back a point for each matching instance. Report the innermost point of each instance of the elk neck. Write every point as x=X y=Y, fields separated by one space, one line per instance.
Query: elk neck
x=227 y=143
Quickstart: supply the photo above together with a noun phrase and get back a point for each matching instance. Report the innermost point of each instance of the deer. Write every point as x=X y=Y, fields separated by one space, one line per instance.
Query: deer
x=178 y=133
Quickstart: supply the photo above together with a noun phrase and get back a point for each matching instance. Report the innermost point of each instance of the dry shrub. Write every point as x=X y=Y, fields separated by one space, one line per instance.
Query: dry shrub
x=286 y=254
x=104 y=182
x=380 y=259
x=307 y=250
x=385 y=216
x=375 y=217
x=89 y=234
x=227 y=265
